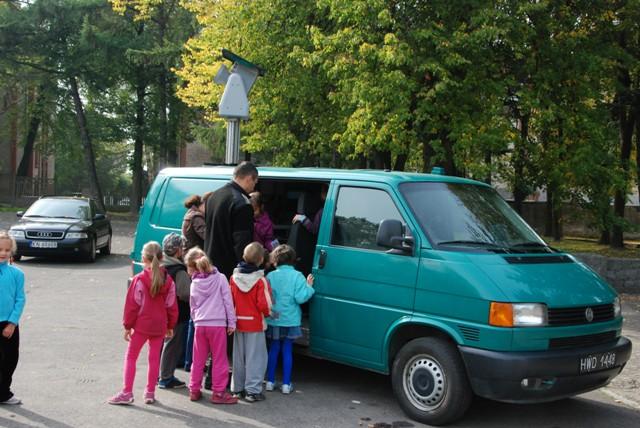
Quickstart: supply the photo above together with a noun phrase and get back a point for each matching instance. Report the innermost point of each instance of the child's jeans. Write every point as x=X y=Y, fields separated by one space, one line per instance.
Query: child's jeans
x=188 y=353
x=131 y=357
x=210 y=340
x=287 y=360
x=8 y=360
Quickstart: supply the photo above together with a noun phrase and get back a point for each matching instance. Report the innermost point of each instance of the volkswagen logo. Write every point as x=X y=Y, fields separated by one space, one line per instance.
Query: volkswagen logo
x=588 y=314
x=44 y=234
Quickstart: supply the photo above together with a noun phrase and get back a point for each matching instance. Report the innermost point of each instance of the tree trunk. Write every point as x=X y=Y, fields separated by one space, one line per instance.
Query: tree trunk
x=32 y=133
x=89 y=156
x=449 y=160
x=138 y=144
x=605 y=237
x=401 y=161
x=427 y=156
x=520 y=154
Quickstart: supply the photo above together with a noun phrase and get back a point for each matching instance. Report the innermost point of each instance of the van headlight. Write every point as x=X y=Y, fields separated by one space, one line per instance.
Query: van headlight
x=617 y=308
x=16 y=234
x=518 y=314
x=76 y=235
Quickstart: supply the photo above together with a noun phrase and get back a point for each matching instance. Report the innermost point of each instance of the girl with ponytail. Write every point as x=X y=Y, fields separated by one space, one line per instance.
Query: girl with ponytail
x=214 y=318
x=150 y=313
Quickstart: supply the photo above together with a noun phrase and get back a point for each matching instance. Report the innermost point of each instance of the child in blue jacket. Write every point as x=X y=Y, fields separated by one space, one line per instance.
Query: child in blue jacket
x=290 y=290
x=12 y=301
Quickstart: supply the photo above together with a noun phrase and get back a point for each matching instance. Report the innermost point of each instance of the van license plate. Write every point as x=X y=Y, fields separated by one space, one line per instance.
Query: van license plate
x=597 y=362
x=44 y=244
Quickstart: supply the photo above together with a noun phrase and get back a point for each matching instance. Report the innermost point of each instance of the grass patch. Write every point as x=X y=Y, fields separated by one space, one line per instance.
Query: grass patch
x=585 y=245
x=7 y=209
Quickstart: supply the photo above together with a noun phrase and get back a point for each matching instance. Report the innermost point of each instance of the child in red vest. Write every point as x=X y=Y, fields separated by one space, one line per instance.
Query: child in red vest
x=252 y=299
x=150 y=313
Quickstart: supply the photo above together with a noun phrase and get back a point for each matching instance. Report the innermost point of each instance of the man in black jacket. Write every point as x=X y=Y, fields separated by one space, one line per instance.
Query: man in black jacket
x=229 y=219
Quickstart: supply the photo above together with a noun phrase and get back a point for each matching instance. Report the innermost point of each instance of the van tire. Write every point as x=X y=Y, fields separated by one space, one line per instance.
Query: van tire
x=430 y=381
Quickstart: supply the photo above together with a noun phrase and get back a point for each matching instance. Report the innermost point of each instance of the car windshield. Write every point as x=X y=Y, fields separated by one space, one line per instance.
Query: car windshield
x=467 y=217
x=59 y=208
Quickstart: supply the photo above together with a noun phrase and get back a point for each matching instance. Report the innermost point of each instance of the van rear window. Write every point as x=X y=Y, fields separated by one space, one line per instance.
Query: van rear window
x=172 y=208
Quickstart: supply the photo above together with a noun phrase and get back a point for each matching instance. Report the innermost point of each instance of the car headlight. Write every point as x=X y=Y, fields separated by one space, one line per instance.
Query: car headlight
x=17 y=234
x=518 y=314
x=76 y=235
x=617 y=308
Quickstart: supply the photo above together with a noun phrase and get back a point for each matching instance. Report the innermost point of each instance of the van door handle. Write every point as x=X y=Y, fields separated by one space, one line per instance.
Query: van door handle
x=322 y=259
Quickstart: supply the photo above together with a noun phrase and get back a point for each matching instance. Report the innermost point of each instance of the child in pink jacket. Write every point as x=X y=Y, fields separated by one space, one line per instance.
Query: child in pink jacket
x=150 y=313
x=214 y=317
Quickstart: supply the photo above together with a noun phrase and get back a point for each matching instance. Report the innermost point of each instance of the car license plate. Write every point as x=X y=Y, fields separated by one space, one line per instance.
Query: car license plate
x=44 y=244
x=597 y=362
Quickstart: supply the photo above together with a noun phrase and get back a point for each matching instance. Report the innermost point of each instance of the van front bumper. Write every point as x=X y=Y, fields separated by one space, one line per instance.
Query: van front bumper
x=529 y=377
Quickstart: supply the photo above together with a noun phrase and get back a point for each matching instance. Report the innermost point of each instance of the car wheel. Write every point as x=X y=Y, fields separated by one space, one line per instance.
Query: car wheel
x=430 y=382
x=91 y=255
x=106 y=250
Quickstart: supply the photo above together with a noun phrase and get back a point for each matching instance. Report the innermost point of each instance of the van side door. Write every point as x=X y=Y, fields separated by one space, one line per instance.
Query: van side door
x=361 y=288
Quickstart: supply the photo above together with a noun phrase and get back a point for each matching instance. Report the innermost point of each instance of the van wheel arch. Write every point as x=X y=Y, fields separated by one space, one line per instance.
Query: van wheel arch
x=407 y=333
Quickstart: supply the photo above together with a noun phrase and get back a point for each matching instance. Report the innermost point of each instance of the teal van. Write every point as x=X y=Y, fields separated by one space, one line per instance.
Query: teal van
x=432 y=279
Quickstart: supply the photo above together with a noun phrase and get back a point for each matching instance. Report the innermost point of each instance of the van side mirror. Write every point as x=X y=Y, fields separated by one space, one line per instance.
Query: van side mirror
x=391 y=235
x=19 y=214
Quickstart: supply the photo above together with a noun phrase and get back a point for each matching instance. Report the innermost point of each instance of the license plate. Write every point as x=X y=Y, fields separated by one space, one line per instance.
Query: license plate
x=44 y=244
x=596 y=362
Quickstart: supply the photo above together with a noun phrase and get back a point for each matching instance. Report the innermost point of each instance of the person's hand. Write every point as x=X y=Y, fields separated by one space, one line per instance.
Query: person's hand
x=169 y=333
x=8 y=330
x=230 y=330
x=299 y=218
x=127 y=334
x=310 y=280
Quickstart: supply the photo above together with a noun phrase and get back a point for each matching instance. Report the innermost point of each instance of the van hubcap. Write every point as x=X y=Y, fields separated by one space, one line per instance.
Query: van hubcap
x=424 y=382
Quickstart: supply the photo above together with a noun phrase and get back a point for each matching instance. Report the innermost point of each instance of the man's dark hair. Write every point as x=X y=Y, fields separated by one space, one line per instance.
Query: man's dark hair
x=245 y=169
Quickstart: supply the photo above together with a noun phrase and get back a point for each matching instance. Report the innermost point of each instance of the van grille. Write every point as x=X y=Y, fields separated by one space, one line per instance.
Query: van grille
x=470 y=333
x=578 y=315
x=579 y=341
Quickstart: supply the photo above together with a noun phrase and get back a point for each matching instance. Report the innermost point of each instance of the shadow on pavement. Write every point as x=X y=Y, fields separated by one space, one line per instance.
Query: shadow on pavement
x=32 y=417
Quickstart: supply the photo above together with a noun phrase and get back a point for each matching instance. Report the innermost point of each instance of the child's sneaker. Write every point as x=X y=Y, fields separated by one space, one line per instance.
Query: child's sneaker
x=149 y=397
x=121 y=398
x=269 y=386
x=252 y=398
x=223 y=398
x=287 y=388
x=195 y=395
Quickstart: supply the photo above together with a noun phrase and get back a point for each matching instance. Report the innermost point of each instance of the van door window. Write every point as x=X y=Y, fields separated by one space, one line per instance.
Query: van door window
x=358 y=213
x=172 y=209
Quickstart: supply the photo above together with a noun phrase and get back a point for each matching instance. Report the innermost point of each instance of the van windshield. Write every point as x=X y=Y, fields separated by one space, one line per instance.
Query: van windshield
x=467 y=217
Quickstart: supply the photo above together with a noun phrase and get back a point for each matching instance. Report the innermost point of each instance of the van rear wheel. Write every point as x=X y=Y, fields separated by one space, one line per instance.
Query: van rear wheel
x=430 y=382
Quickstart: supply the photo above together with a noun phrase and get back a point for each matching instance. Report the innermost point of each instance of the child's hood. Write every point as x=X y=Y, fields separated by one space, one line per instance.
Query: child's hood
x=204 y=284
x=245 y=279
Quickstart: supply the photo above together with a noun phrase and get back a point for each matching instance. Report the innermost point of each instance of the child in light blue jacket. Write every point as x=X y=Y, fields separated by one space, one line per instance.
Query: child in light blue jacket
x=290 y=290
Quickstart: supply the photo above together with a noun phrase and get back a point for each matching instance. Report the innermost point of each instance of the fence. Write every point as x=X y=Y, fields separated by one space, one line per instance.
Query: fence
x=22 y=191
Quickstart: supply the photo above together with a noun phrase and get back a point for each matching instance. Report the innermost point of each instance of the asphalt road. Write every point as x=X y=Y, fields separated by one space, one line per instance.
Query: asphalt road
x=71 y=362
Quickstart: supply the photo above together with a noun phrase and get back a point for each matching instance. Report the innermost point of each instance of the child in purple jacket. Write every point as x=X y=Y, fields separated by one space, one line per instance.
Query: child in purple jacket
x=262 y=224
x=214 y=318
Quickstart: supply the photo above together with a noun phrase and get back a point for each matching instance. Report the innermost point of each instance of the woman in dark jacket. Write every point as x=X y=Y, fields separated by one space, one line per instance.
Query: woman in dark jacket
x=193 y=225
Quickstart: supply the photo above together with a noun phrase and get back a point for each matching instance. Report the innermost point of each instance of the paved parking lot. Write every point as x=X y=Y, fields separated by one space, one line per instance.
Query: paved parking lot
x=72 y=351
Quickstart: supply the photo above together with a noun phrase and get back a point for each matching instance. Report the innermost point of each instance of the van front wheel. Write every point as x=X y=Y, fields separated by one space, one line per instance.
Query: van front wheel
x=430 y=382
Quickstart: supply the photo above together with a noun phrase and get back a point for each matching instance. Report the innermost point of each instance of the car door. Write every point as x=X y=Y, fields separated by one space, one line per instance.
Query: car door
x=100 y=225
x=361 y=288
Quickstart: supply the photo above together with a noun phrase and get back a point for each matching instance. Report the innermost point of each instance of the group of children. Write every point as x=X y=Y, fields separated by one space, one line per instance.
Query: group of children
x=250 y=306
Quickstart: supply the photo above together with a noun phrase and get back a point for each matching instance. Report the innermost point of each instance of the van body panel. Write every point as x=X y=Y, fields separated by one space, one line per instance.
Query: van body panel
x=556 y=284
x=360 y=292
